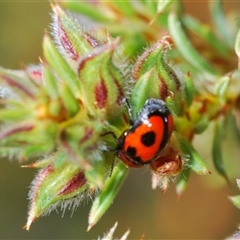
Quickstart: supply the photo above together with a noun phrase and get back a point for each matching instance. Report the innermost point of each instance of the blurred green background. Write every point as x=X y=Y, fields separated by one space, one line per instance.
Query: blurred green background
x=203 y=212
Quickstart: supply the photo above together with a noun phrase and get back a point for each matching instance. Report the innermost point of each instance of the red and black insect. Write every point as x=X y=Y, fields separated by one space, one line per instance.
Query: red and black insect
x=148 y=135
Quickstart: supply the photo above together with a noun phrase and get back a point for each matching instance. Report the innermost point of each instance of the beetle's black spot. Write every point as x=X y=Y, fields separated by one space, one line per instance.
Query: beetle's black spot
x=138 y=160
x=131 y=151
x=148 y=138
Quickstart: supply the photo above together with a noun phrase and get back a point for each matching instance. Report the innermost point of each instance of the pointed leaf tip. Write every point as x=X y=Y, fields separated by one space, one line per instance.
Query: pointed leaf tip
x=53 y=186
x=125 y=235
x=238 y=182
x=198 y=165
x=29 y=223
x=235 y=200
x=103 y=201
x=109 y=235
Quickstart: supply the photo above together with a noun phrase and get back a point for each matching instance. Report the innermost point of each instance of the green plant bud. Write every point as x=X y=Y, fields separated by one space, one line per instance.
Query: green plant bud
x=101 y=81
x=144 y=89
x=155 y=77
x=106 y=196
x=197 y=164
x=149 y=59
x=119 y=16
x=64 y=185
x=69 y=101
x=59 y=65
x=72 y=41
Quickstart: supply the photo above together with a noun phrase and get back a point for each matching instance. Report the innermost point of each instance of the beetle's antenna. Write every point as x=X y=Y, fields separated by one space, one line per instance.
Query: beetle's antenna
x=131 y=121
x=111 y=169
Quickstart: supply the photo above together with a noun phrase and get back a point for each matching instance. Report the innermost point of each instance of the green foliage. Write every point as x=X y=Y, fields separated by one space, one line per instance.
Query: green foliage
x=77 y=94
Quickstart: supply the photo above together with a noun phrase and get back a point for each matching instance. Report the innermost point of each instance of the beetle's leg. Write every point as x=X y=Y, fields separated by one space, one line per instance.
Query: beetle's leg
x=111 y=133
x=111 y=149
